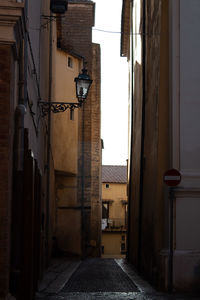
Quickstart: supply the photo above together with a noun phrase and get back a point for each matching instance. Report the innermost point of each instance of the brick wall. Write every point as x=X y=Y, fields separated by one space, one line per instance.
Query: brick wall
x=96 y=205
x=5 y=166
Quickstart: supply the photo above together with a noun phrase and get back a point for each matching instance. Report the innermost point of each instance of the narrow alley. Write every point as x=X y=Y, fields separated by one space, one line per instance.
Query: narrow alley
x=70 y=213
x=97 y=279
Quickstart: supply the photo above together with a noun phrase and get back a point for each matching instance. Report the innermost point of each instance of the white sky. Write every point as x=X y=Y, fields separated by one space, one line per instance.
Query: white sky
x=114 y=82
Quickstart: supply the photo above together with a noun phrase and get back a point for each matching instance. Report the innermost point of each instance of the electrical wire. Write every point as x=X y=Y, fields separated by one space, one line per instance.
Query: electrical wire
x=116 y=32
x=43 y=26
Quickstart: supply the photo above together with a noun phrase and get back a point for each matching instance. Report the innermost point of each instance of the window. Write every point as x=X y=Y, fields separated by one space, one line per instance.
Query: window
x=107 y=185
x=123 y=246
x=70 y=62
x=105 y=216
x=105 y=211
x=123 y=237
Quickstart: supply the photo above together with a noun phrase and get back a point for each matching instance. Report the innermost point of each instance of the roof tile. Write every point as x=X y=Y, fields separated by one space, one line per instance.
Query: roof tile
x=114 y=174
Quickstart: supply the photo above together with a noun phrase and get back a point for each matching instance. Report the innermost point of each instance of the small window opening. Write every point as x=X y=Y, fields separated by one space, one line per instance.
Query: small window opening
x=107 y=185
x=70 y=62
x=123 y=247
x=105 y=211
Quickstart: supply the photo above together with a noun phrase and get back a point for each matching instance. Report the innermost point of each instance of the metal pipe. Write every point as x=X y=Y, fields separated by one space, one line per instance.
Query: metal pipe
x=83 y=254
x=142 y=134
x=19 y=138
x=25 y=56
x=131 y=146
x=48 y=145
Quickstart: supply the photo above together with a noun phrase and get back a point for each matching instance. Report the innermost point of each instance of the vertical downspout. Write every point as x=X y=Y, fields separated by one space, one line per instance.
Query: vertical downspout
x=25 y=56
x=143 y=132
x=83 y=254
x=132 y=114
x=48 y=144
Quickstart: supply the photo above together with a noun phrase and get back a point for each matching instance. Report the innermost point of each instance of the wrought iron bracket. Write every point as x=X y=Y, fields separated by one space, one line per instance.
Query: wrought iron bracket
x=57 y=107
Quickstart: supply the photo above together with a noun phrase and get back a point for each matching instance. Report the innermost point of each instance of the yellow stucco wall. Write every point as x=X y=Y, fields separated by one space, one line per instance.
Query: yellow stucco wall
x=116 y=192
x=65 y=154
x=112 y=243
x=116 y=195
x=68 y=239
x=65 y=131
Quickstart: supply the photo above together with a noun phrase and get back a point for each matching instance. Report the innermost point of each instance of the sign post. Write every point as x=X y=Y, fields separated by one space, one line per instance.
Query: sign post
x=172 y=178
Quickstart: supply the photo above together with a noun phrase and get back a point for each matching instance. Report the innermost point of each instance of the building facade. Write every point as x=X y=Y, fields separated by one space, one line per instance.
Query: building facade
x=26 y=208
x=114 y=211
x=32 y=173
x=65 y=153
x=75 y=37
x=164 y=92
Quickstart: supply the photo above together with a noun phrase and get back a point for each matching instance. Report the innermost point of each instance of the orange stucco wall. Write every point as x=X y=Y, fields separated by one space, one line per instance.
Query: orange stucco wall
x=65 y=131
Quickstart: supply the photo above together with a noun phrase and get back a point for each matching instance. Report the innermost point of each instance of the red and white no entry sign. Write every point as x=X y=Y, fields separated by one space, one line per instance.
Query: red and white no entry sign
x=172 y=177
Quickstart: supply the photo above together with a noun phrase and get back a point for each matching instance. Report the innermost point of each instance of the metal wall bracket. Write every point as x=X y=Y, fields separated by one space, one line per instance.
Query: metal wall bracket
x=57 y=107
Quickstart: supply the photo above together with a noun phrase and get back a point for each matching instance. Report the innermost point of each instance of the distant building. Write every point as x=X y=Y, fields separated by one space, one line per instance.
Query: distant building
x=114 y=210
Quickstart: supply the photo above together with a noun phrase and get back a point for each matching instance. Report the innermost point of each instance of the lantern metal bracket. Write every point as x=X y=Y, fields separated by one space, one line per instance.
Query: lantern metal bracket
x=57 y=107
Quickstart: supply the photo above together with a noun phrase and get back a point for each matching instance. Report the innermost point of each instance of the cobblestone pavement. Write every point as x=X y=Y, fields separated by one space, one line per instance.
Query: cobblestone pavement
x=76 y=280
x=100 y=275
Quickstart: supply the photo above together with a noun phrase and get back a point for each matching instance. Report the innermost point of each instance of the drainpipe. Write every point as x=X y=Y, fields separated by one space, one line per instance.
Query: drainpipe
x=19 y=138
x=25 y=55
x=143 y=132
x=131 y=146
x=83 y=243
x=49 y=144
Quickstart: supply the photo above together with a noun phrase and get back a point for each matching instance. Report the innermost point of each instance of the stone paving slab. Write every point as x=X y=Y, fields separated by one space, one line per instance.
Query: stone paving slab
x=141 y=284
x=58 y=284
x=57 y=275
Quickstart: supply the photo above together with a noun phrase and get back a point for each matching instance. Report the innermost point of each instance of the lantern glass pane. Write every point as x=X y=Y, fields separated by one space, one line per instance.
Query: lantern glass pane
x=82 y=88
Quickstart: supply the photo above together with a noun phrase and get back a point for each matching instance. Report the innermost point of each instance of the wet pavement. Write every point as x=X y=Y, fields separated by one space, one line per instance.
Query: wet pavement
x=98 y=279
x=111 y=278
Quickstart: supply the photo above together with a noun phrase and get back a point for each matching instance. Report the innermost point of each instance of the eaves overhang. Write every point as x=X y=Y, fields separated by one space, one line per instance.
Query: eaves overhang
x=64 y=173
x=72 y=53
x=125 y=28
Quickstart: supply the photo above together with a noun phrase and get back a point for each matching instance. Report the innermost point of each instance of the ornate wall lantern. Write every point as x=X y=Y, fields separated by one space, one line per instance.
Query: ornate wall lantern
x=83 y=83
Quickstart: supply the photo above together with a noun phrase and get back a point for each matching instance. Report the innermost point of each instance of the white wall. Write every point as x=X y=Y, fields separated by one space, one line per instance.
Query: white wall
x=190 y=86
x=185 y=138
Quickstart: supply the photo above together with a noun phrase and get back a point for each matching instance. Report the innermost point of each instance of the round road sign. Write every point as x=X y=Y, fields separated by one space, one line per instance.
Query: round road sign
x=172 y=177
